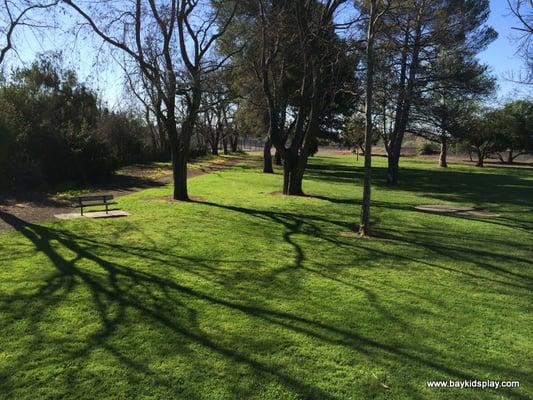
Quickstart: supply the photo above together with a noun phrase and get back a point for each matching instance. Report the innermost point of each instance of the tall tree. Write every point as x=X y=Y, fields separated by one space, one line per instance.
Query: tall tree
x=456 y=79
x=417 y=32
x=302 y=66
x=375 y=13
x=171 y=43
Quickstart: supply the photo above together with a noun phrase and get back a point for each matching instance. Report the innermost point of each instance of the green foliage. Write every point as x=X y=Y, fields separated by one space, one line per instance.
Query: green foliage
x=353 y=133
x=11 y=153
x=513 y=125
x=58 y=131
x=289 y=304
x=427 y=148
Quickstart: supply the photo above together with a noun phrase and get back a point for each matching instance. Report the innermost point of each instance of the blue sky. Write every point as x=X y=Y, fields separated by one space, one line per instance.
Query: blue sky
x=500 y=56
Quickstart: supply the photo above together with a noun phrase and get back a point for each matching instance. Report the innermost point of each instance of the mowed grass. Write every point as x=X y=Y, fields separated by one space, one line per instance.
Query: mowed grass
x=243 y=294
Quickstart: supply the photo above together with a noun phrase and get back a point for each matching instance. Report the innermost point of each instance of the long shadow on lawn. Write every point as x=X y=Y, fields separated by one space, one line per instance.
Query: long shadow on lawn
x=442 y=184
x=116 y=289
x=477 y=253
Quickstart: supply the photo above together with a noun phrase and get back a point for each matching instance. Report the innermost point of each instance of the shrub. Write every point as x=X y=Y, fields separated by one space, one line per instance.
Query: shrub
x=427 y=149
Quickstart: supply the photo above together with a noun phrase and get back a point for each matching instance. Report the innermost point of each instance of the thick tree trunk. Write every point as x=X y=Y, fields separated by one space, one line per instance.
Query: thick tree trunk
x=393 y=166
x=267 y=157
x=293 y=173
x=214 y=149
x=277 y=158
x=179 y=169
x=443 y=162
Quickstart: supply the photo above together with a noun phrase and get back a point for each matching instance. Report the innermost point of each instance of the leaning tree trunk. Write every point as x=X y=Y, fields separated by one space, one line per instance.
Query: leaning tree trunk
x=267 y=157
x=443 y=162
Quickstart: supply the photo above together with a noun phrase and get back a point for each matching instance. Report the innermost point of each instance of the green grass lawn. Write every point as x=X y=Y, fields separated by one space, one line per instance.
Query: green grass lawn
x=244 y=294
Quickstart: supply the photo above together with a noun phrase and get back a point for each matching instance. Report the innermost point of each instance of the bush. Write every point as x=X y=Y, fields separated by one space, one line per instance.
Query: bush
x=427 y=149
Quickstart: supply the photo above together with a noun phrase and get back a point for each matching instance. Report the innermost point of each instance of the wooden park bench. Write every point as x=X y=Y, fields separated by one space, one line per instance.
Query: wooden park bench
x=89 y=201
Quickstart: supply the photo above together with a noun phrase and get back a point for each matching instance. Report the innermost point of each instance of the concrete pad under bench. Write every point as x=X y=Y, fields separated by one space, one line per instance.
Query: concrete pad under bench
x=94 y=214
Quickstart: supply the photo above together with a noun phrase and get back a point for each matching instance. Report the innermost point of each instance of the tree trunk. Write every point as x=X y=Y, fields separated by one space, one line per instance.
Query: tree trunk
x=234 y=143
x=510 y=158
x=364 y=227
x=480 y=158
x=225 y=146
x=267 y=157
x=277 y=158
x=404 y=100
x=393 y=166
x=293 y=173
x=179 y=170
x=443 y=162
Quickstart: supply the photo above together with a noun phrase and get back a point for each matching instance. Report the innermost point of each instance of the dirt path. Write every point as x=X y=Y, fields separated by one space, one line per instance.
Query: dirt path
x=38 y=207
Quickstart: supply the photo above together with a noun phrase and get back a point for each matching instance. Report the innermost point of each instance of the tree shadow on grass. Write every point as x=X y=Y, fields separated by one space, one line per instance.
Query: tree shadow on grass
x=441 y=184
x=117 y=289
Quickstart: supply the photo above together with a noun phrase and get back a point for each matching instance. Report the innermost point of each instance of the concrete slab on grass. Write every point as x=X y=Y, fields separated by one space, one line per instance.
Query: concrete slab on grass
x=94 y=214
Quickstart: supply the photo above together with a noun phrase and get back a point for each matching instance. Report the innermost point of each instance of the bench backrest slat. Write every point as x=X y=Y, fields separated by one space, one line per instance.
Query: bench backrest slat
x=100 y=197
x=95 y=198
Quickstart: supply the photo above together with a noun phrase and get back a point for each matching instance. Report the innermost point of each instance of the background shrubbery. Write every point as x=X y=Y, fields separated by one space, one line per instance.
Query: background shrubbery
x=53 y=129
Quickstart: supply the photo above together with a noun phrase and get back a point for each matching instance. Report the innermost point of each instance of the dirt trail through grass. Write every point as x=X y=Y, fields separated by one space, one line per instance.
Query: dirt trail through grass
x=34 y=207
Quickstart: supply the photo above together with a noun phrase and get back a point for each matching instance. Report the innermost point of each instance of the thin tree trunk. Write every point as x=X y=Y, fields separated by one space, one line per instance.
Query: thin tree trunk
x=480 y=158
x=443 y=162
x=364 y=227
x=267 y=157
x=510 y=158
x=225 y=146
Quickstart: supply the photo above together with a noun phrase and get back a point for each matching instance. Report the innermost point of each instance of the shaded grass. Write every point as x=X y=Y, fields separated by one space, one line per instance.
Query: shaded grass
x=248 y=295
